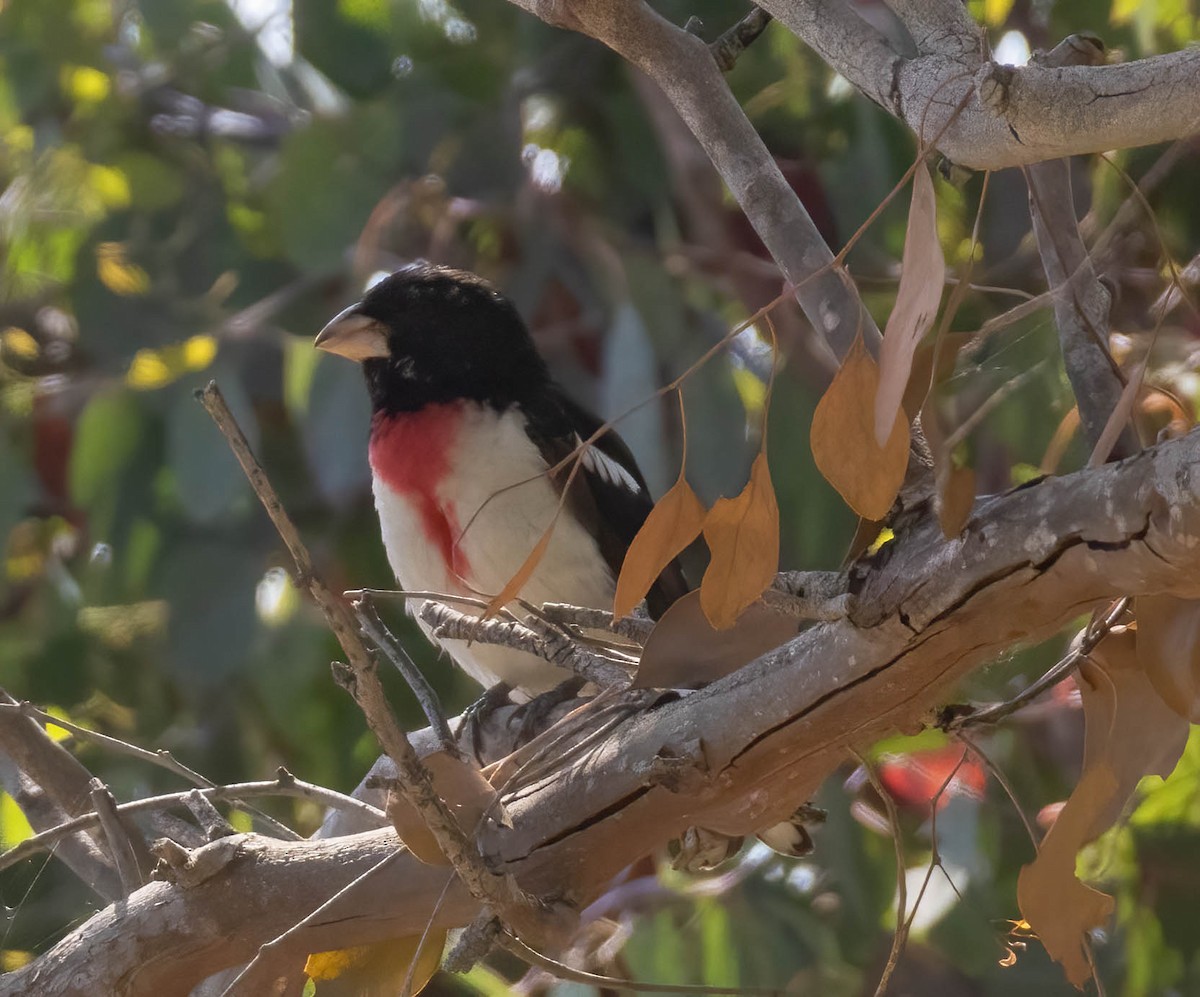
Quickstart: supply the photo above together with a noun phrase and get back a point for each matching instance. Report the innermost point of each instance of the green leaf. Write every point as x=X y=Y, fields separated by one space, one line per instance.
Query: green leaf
x=355 y=57
x=206 y=472
x=335 y=430
x=106 y=438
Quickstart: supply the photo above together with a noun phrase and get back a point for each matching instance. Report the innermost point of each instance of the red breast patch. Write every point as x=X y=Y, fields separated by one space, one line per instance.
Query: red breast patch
x=410 y=451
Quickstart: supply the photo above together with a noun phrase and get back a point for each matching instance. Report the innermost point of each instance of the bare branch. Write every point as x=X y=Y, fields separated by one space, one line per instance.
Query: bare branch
x=50 y=785
x=1013 y=116
x=939 y=26
x=129 y=852
x=161 y=757
x=531 y=637
x=737 y=39
x=900 y=936
x=285 y=785
x=933 y=609
x=1081 y=301
x=518 y=909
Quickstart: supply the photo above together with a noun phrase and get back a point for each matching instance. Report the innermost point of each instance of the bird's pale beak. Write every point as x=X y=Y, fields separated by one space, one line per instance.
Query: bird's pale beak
x=355 y=336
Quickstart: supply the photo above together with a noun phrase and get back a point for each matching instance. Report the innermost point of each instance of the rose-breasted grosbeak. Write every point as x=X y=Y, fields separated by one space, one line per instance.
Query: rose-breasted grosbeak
x=466 y=423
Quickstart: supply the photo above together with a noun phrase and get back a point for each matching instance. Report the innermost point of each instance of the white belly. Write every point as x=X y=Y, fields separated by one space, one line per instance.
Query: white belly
x=496 y=493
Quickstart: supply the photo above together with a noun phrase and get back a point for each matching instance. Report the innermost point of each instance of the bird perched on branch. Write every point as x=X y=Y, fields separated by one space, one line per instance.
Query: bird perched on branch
x=467 y=425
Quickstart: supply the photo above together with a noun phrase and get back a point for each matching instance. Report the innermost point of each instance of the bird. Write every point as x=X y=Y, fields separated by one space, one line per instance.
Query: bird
x=466 y=424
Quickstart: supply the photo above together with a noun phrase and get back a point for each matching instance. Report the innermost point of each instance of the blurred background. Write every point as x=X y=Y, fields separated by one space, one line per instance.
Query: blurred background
x=189 y=190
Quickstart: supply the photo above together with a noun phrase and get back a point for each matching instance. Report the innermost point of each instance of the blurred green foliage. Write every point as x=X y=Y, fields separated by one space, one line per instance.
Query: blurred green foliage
x=189 y=189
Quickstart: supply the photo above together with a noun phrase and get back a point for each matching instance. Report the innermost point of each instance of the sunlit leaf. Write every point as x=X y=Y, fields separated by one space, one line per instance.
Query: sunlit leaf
x=110 y=185
x=995 y=12
x=117 y=273
x=19 y=343
x=85 y=85
x=377 y=970
x=743 y=535
x=151 y=369
x=14 y=827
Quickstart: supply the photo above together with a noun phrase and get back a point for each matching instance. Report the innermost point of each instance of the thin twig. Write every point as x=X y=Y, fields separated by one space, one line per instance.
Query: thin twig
x=413 y=779
x=635 y=628
x=956 y=717
x=1002 y=780
x=562 y=971
x=901 y=933
x=161 y=757
x=732 y=43
x=989 y=404
x=377 y=632
x=545 y=643
x=274 y=787
x=279 y=940
x=120 y=844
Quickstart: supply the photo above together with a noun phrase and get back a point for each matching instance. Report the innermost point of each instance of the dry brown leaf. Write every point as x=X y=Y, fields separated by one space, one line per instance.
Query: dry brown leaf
x=1168 y=650
x=1129 y=733
x=464 y=789
x=377 y=970
x=956 y=498
x=743 y=535
x=922 y=277
x=513 y=588
x=843 y=439
x=674 y=522
x=684 y=650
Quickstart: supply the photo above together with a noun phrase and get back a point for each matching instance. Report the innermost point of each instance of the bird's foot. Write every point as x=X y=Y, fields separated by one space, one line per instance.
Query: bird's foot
x=473 y=718
x=535 y=715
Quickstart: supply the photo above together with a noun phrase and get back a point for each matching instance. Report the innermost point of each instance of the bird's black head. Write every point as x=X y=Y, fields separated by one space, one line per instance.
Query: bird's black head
x=429 y=334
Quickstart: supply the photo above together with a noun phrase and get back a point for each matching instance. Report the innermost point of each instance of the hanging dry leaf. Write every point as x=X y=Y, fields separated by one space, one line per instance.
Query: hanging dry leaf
x=922 y=276
x=1129 y=733
x=743 y=535
x=673 y=523
x=1168 y=650
x=377 y=970
x=464 y=789
x=684 y=650
x=514 y=585
x=843 y=439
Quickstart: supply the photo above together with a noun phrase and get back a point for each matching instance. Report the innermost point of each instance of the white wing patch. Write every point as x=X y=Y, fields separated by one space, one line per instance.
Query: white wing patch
x=607 y=469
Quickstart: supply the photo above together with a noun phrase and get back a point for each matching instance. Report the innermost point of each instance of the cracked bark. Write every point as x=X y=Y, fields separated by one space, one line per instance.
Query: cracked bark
x=1026 y=563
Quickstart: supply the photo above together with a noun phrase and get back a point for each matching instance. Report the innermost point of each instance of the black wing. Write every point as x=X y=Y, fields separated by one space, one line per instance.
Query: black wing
x=615 y=501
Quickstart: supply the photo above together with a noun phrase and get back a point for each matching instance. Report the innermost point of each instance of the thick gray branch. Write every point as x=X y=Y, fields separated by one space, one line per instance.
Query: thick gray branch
x=941 y=26
x=927 y=612
x=51 y=786
x=1012 y=117
x=1081 y=303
